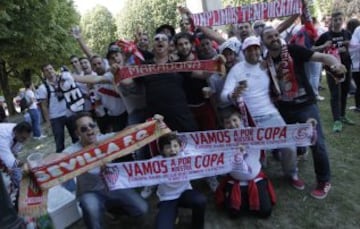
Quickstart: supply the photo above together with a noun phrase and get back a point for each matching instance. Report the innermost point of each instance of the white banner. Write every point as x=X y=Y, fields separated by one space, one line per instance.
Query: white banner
x=249 y=12
x=254 y=137
x=167 y=170
x=198 y=162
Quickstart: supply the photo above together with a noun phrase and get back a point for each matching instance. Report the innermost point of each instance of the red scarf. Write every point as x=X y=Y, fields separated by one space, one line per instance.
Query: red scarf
x=285 y=73
x=235 y=197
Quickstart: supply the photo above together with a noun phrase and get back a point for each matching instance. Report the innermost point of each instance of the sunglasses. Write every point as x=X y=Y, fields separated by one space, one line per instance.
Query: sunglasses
x=259 y=26
x=90 y=126
x=161 y=38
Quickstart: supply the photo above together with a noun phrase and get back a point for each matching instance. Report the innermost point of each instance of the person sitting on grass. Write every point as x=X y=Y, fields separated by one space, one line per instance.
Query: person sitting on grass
x=177 y=194
x=246 y=189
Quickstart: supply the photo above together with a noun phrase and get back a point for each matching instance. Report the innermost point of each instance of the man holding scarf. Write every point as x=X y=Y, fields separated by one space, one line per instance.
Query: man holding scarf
x=295 y=98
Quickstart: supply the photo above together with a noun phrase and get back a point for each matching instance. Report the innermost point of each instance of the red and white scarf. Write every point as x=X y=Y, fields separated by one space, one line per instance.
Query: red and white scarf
x=283 y=75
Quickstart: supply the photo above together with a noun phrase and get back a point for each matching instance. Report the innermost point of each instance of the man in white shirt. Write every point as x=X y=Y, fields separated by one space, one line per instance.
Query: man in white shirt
x=257 y=98
x=54 y=107
x=12 y=138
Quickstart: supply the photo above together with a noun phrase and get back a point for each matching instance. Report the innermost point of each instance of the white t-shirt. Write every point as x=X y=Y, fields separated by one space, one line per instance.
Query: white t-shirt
x=30 y=97
x=91 y=180
x=7 y=146
x=354 y=50
x=247 y=167
x=216 y=82
x=172 y=191
x=256 y=96
x=133 y=97
x=57 y=108
x=110 y=99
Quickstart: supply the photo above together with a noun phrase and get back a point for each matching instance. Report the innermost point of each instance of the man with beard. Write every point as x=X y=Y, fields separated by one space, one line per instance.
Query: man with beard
x=295 y=98
x=164 y=92
x=258 y=101
x=193 y=84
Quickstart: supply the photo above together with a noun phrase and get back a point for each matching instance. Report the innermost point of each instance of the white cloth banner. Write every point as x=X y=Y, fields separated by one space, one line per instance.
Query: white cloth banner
x=199 y=162
x=167 y=170
x=252 y=137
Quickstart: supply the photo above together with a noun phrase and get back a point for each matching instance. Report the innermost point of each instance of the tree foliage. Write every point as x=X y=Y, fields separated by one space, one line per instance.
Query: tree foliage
x=33 y=32
x=146 y=15
x=98 y=28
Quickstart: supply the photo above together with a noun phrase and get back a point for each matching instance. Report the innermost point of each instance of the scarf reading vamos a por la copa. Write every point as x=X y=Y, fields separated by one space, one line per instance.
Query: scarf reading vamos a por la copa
x=204 y=154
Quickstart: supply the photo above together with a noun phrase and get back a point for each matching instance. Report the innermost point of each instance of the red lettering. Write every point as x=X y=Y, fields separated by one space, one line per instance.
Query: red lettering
x=220 y=160
x=128 y=168
x=195 y=138
x=146 y=167
x=164 y=166
x=198 y=161
x=138 y=170
x=203 y=138
x=283 y=133
x=260 y=134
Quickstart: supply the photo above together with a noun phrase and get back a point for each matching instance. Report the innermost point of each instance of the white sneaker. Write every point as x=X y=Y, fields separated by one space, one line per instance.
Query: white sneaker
x=320 y=98
x=40 y=137
x=213 y=183
x=147 y=191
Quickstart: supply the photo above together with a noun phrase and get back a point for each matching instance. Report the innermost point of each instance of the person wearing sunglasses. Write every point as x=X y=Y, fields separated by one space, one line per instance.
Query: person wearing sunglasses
x=258 y=27
x=92 y=193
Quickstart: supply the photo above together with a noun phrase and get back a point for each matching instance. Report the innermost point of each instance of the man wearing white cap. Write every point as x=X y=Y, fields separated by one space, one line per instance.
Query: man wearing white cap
x=257 y=98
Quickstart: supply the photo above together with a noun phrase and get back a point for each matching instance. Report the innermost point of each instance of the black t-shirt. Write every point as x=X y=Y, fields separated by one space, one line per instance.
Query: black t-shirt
x=337 y=39
x=165 y=95
x=300 y=55
x=193 y=89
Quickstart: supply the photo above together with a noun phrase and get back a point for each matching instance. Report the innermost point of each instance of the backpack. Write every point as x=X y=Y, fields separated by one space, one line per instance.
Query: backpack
x=24 y=103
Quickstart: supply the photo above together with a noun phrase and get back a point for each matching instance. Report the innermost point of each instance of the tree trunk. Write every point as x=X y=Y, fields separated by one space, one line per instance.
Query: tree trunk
x=4 y=83
x=26 y=75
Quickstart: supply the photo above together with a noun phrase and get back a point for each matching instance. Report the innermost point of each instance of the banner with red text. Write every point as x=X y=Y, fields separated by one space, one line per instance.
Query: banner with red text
x=135 y=71
x=254 y=137
x=125 y=142
x=249 y=12
x=167 y=170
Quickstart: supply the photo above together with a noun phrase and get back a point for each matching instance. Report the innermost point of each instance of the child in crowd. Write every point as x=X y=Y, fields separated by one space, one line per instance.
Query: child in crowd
x=177 y=194
x=246 y=189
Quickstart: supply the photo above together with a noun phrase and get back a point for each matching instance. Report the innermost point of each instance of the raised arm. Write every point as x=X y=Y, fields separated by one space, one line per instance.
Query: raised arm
x=76 y=33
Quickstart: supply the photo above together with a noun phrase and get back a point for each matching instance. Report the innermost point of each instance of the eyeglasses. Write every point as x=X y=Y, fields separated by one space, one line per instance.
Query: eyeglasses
x=161 y=38
x=85 y=128
x=259 y=26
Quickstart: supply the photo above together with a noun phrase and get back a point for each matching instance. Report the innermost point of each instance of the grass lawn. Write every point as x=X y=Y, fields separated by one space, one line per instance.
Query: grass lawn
x=294 y=209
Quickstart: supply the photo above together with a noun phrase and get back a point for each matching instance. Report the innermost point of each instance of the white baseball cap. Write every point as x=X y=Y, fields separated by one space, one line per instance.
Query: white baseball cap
x=232 y=44
x=250 y=41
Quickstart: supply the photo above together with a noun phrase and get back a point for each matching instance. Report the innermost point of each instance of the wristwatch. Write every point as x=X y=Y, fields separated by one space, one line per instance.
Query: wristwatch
x=333 y=67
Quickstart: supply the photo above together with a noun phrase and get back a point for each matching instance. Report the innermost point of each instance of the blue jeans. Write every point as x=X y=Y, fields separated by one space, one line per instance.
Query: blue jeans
x=166 y=216
x=57 y=126
x=35 y=121
x=300 y=114
x=338 y=95
x=313 y=71
x=288 y=154
x=94 y=204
